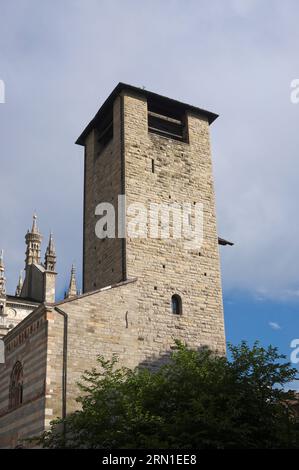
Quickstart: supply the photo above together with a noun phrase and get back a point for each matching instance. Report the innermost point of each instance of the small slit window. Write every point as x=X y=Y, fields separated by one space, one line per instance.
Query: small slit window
x=176 y=304
x=16 y=386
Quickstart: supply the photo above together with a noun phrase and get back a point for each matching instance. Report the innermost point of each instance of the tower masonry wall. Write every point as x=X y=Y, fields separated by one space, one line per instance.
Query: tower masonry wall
x=102 y=258
x=182 y=174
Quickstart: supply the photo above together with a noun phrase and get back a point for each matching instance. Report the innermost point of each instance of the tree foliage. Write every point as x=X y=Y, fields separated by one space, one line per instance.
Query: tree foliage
x=196 y=400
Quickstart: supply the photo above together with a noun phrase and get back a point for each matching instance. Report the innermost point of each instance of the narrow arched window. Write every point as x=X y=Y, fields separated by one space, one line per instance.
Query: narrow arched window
x=176 y=304
x=16 y=386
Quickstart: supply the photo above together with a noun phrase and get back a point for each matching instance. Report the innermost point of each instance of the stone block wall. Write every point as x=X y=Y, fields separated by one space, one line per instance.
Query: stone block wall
x=100 y=323
x=102 y=258
x=182 y=174
x=27 y=343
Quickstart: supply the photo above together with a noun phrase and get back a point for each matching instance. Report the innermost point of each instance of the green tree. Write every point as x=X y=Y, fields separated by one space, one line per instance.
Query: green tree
x=196 y=400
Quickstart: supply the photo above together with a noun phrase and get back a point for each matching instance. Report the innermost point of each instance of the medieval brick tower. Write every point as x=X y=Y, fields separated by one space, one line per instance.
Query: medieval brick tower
x=140 y=293
x=154 y=150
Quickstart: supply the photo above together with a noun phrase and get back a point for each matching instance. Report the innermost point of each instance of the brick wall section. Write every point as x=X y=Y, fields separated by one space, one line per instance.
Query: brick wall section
x=102 y=258
x=53 y=406
x=49 y=286
x=22 y=423
x=104 y=323
x=183 y=173
x=27 y=343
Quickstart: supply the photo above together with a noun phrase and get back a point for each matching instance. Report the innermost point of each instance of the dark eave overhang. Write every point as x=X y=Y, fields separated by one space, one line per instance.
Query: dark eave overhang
x=148 y=94
x=222 y=241
x=22 y=300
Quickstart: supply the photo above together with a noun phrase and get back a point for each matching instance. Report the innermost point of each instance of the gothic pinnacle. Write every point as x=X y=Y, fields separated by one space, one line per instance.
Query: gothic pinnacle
x=2 y=260
x=72 y=290
x=50 y=256
x=51 y=246
x=34 y=224
x=20 y=284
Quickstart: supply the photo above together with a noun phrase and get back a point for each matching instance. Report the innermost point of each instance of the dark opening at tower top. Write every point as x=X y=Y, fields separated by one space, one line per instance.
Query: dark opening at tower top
x=157 y=104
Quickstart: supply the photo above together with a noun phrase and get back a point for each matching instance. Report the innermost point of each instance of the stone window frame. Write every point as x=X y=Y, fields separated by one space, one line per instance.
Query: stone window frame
x=16 y=386
x=176 y=304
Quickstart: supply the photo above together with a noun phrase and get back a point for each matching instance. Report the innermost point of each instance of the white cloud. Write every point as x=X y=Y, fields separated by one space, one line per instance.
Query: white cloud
x=274 y=325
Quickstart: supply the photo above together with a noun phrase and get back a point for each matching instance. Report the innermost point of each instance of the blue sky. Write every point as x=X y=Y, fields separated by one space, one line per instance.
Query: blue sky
x=61 y=59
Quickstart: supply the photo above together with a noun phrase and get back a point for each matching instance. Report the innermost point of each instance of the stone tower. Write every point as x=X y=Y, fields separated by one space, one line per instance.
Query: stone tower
x=154 y=150
x=33 y=242
x=40 y=279
x=146 y=158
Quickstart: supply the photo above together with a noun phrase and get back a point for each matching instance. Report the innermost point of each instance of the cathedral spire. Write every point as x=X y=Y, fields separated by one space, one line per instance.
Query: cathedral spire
x=50 y=256
x=33 y=242
x=20 y=285
x=2 y=275
x=72 y=290
x=34 y=224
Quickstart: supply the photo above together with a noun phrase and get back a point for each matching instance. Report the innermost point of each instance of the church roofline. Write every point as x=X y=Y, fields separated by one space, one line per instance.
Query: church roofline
x=81 y=296
x=170 y=102
x=22 y=300
x=42 y=307
x=39 y=267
